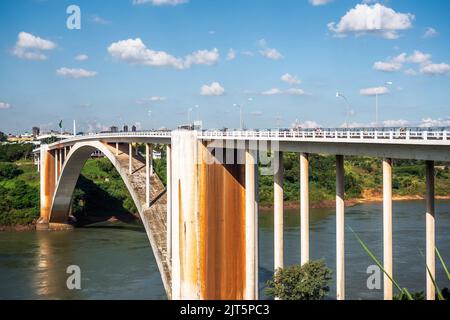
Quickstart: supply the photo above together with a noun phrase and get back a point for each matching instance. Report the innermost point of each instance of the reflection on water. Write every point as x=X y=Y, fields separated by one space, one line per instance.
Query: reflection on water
x=117 y=263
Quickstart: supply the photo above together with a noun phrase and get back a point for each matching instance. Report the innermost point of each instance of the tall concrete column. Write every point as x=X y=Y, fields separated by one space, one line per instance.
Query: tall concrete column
x=340 y=228
x=169 y=201
x=56 y=166
x=430 y=231
x=130 y=158
x=304 y=208
x=47 y=184
x=278 y=213
x=117 y=148
x=251 y=225
x=61 y=160
x=387 y=227
x=148 y=171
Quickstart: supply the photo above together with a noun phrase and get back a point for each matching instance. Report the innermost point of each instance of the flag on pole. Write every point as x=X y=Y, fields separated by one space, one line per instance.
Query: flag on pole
x=60 y=124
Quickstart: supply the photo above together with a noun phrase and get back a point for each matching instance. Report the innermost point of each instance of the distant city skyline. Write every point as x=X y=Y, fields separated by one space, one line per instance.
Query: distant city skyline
x=157 y=64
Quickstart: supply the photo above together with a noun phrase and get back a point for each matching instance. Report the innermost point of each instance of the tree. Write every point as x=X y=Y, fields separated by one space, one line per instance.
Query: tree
x=307 y=282
x=3 y=137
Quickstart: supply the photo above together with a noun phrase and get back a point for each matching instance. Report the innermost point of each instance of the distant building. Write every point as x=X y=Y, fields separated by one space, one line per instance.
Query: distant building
x=35 y=131
x=133 y=128
x=125 y=128
x=113 y=129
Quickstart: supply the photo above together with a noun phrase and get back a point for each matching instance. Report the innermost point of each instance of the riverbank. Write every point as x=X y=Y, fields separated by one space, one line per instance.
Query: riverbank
x=368 y=197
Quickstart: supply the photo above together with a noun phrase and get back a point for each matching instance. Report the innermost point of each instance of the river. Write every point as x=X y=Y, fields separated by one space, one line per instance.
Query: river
x=117 y=263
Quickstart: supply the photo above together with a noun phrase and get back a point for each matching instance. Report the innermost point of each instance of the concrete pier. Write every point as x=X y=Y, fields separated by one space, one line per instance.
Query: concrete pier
x=304 y=208
x=340 y=229
x=278 y=213
x=430 y=232
x=387 y=228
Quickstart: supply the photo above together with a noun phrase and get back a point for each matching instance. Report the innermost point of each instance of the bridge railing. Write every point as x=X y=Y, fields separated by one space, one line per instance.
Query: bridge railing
x=370 y=134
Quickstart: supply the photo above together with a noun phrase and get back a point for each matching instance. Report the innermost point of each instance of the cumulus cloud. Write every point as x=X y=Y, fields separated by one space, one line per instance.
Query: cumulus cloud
x=214 y=89
x=81 y=57
x=435 y=69
x=430 y=33
x=151 y=99
x=290 y=91
x=424 y=60
x=134 y=51
x=374 y=91
x=309 y=124
x=374 y=19
x=30 y=47
x=319 y=2
x=429 y=122
x=4 y=105
x=75 y=73
x=270 y=53
x=204 y=57
x=288 y=78
x=160 y=2
x=272 y=92
x=231 y=54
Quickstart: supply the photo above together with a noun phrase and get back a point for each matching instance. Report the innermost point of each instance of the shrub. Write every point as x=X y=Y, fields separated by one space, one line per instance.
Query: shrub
x=307 y=282
x=9 y=171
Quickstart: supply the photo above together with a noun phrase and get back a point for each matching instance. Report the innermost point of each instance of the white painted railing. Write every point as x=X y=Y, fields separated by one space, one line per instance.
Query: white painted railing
x=331 y=135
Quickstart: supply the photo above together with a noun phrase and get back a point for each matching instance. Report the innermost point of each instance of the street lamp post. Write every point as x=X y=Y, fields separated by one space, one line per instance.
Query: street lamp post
x=241 y=123
x=340 y=95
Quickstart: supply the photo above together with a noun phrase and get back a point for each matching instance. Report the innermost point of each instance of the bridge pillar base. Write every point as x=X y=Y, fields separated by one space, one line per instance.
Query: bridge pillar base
x=43 y=225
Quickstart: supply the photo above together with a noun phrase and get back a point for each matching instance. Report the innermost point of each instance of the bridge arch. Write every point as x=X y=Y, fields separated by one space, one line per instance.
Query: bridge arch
x=70 y=172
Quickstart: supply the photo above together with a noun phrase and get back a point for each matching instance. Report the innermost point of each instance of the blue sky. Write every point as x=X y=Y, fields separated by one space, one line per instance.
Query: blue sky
x=147 y=63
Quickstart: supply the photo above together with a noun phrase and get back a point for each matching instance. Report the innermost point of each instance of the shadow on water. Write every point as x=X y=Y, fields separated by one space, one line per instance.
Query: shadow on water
x=99 y=205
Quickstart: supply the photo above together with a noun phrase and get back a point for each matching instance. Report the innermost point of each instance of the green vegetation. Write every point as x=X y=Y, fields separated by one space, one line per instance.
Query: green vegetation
x=19 y=190
x=307 y=282
x=3 y=137
x=100 y=191
x=361 y=174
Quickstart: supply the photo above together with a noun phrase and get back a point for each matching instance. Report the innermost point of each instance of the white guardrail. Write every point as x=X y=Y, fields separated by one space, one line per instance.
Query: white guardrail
x=441 y=136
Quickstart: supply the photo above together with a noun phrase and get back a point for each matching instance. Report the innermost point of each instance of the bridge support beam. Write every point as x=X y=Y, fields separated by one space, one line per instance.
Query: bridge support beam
x=251 y=225
x=148 y=171
x=430 y=232
x=340 y=228
x=387 y=228
x=130 y=158
x=47 y=188
x=169 y=201
x=304 y=208
x=278 y=213
x=209 y=222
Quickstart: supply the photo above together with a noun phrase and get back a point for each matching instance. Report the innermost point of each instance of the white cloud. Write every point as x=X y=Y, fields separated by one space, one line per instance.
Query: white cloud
x=374 y=19
x=435 y=69
x=214 y=89
x=309 y=124
x=396 y=123
x=75 y=73
x=295 y=92
x=288 y=78
x=270 y=53
x=430 y=33
x=411 y=72
x=4 y=105
x=30 y=47
x=272 y=92
x=160 y=2
x=151 y=99
x=231 y=54
x=319 y=2
x=419 y=57
x=387 y=66
x=135 y=51
x=374 y=91
x=290 y=91
x=81 y=57
x=429 y=122
x=204 y=57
